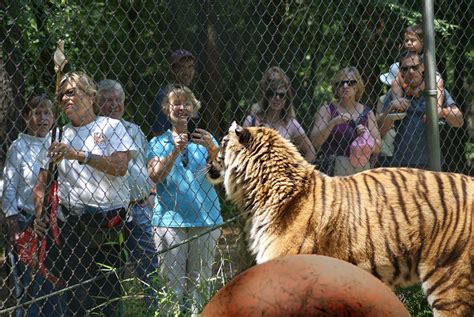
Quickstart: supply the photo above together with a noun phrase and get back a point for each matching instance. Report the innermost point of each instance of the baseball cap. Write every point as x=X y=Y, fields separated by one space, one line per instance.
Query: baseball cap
x=177 y=55
x=388 y=78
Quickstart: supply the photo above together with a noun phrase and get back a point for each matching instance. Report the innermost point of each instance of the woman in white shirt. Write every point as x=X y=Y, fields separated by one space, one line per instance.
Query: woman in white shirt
x=92 y=160
x=19 y=175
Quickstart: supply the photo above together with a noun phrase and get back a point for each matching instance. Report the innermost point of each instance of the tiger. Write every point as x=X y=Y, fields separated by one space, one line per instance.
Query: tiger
x=405 y=226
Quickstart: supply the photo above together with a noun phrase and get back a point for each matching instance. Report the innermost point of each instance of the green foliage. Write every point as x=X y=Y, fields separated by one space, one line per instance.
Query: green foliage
x=131 y=41
x=415 y=301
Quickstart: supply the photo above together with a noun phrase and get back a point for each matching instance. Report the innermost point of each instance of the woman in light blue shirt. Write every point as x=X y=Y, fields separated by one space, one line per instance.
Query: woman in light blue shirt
x=186 y=204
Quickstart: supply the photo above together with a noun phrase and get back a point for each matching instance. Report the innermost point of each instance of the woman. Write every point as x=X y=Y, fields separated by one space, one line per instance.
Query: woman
x=20 y=174
x=338 y=124
x=188 y=204
x=92 y=159
x=271 y=74
x=277 y=112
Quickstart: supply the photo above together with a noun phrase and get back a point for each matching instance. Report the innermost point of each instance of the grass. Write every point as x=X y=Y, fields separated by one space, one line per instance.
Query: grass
x=412 y=298
x=414 y=301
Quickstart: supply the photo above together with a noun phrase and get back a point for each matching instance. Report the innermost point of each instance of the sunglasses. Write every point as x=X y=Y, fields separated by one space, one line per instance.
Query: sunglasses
x=407 y=68
x=274 y=94
x=69 y=93
x=350 y=83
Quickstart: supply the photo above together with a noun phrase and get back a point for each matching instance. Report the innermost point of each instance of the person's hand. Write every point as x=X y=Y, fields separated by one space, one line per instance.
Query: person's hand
x=341 y=119
x=58 y=151
x=360 y=129
x=151 y=201
x=180 y=141
x=40 y=227
x=203 y=138
x=443 y=112
x=399 y=105
x=13 y=229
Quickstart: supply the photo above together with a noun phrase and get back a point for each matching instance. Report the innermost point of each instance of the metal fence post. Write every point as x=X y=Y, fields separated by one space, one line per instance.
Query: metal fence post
x=432 y=127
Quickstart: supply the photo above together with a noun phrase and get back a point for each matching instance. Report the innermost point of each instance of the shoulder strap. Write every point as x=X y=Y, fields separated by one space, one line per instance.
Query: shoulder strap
x=254 y=121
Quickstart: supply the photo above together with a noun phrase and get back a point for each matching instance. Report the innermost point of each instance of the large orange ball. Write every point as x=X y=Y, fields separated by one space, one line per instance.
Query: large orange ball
x=305 y=285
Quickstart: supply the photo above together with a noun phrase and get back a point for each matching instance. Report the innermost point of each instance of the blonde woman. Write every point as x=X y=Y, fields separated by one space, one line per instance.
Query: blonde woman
x=92 y=159
x=186 y=205
x=337 y=124
x=276 y=111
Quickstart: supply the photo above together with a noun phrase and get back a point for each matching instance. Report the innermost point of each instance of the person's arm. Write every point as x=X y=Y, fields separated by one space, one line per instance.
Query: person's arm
x=374 y=131
x=301 y=140
x=160 y=167
x=396 y=87
x=11 y=182
x=323 y=125
x=453 y=116
x=115 y=164
x=439 y=91
x=38 y=191
x=40 y=223
x=385 y=122
x=304 y=144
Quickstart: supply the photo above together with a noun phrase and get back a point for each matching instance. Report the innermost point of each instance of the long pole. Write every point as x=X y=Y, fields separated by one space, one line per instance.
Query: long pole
x=432 y=127
x=59 y=62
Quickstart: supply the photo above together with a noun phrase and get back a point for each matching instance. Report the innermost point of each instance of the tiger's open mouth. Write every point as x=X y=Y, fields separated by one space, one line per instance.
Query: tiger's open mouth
x=215 y=171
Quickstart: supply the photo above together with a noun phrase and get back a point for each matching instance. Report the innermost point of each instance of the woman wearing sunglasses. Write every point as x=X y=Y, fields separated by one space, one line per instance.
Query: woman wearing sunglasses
x=277 y=112
x=92 y=157
x=339 y=123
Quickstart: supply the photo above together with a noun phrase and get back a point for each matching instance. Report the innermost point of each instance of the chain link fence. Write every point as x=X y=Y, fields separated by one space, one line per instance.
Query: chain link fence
x=110 y=267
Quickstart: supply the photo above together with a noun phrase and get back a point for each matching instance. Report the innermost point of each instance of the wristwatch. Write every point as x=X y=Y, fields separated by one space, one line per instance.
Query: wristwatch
x=87 y=158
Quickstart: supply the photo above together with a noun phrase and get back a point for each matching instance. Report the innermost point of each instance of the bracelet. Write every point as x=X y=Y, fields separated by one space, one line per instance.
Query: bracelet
x=88 y=156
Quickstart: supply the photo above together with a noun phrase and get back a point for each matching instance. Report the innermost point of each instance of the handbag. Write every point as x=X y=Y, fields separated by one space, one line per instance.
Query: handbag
x=362 y=146
x=361 y=149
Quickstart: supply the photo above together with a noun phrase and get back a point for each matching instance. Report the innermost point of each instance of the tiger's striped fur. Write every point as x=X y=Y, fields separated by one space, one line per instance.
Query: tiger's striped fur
x=405 y=226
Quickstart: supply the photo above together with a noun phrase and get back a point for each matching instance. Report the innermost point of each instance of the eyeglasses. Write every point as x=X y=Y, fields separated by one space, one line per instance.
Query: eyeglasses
x=407 y=68
x=350 y=83
x=274 y=94
x=70 y=93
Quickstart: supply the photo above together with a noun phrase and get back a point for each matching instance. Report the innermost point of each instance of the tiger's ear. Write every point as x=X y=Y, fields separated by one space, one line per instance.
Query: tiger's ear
x=242 y=133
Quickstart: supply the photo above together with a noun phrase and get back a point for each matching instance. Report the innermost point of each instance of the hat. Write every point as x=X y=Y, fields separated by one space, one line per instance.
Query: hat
x=361 y=149
x=177 y=55
x=389 y=77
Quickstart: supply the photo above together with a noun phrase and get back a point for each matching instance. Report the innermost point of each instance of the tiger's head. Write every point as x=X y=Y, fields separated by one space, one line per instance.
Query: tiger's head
x=255 y=157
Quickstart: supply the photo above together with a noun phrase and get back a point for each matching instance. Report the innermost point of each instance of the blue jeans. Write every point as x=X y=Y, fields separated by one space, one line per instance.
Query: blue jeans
x=140 y=244
x=51 y=306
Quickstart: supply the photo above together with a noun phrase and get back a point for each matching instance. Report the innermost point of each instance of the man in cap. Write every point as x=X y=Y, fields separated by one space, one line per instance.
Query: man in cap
x=182 y=68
